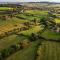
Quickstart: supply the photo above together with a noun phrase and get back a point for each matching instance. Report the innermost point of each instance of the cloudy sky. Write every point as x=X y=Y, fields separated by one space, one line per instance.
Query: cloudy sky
x=28 y=0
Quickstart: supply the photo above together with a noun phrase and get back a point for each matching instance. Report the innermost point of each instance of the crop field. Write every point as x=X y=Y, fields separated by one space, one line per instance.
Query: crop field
x=27 y=53
x=5 y=8
x=21 y=37
x=36 y=12
x=10 y=24
x=31 y=14
x=49 y=51
x=7 y=41
x=51 y=35
x=57 y=20
x=13 y=39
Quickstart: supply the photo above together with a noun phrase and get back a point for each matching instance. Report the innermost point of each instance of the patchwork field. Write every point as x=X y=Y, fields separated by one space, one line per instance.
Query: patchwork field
x=40 y=48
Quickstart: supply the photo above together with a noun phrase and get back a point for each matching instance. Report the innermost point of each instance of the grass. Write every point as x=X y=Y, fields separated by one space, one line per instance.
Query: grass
x=31 y=14
x=51 y=35
x=12 y=21
x=5 y=8
x=9 y=24
x=51 y=51
x=57 y=20
x=12 y=39
x=35 y=29
x=36 y=12
x=26 y=54
x=23 y=16
x=7 y=41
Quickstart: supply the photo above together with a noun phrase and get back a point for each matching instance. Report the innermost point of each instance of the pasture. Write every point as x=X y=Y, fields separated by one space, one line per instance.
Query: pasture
x=48 y=50
x=5 y=8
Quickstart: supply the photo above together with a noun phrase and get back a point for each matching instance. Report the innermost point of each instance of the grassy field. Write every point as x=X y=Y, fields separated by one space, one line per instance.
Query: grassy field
x=26 y=54
x=31 y=14
x=5 y=8
x=35 y=12
x=49 y=51
x=50 y=35
x=8 y=41
x=10 y=24
x=12 y=39
x=33 y=30
x=57 y=20
x=11 y=21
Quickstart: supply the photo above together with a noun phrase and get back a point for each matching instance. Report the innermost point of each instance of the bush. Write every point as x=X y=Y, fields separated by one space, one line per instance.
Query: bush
x=33 y=37
x=1 y=58
x=6 y=52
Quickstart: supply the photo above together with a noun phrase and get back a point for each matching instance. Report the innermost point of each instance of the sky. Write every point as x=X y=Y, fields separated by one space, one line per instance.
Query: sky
x=28 y=0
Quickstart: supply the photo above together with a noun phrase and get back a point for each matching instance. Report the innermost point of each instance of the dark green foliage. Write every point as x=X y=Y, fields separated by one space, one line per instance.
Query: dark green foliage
x=33 y=37
x=43 y=20
x=8 y=51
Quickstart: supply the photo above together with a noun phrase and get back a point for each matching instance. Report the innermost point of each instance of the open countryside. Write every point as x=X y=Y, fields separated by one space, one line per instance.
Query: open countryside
x=30 y=31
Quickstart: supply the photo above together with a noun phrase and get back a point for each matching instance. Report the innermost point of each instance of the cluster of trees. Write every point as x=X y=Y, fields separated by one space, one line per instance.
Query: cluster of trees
x=8 y=51
x=50 y=14
x=3 y=17
x=28 y=24
x=35 y=37
x=19 y=46
x=13 y=48
x=43 y=21
x=48 y=21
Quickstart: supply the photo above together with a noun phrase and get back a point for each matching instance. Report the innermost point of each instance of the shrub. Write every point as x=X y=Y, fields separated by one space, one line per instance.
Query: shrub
x=33 y=37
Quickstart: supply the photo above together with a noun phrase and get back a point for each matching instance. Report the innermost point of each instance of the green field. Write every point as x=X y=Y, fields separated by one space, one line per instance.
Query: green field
x=48 y=50
x=57 y=20
x=5 y=8
x=8 y=41
x=31 y=14
x=26 y=54
x=13 y=39
x=50 y=35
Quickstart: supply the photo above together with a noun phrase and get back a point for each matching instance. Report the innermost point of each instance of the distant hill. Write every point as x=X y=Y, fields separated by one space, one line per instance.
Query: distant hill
x=45 y=2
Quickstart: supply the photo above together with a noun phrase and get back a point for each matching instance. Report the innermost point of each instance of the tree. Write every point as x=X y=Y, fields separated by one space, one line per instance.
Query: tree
x=33 y=37
x=1 y=58
x=35 y=21
x=43 y=21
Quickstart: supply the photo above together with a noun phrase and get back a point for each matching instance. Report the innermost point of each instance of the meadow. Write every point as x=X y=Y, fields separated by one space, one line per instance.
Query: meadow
x=45 y=50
